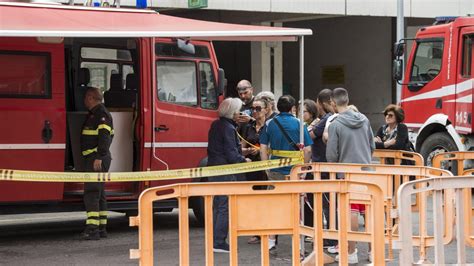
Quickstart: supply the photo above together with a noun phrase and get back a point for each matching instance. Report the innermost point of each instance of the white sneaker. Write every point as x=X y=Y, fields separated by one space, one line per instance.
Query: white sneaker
x=351 y=259
x=271 y=243
x=333 y=249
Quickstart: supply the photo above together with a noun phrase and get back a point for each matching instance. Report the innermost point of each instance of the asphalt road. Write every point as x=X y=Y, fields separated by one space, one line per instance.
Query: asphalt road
x=53 y=239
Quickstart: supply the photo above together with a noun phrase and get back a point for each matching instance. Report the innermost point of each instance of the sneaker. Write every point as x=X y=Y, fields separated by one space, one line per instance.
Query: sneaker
x=333 y=249
x=329 y=242
x=90 y=235
x=308 y=239
x=351 y=259
x=222 y=248
x=273 y=250
x=271 y=243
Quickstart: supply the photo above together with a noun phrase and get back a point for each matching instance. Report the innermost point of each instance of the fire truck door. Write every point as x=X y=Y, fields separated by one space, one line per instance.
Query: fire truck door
x=183 y=112
x=464 y=82
x=32 y=115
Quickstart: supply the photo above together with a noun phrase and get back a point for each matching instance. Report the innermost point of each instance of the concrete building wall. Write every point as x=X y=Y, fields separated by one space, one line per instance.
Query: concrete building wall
x=361 y=46
x=413 y=8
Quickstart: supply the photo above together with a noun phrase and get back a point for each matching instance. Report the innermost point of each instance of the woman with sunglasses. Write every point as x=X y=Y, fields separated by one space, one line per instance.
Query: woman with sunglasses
x=394 y=134
x=251 y=145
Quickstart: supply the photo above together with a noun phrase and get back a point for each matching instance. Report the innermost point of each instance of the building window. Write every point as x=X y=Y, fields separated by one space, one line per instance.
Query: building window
x=25 y=75
x=176 y=82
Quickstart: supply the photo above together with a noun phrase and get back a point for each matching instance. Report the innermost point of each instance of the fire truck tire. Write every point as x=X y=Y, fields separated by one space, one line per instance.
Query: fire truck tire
x=437 y=143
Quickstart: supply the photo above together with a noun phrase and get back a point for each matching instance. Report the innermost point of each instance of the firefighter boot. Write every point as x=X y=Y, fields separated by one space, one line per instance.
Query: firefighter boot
x=102 y=231
x=91 y=233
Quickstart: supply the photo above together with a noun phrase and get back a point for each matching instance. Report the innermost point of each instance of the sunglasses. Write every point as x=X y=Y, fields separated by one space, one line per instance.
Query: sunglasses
x=389 y=115
x=257 y=109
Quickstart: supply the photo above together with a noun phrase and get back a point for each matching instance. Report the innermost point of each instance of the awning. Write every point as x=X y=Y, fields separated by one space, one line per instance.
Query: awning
x=33 y=20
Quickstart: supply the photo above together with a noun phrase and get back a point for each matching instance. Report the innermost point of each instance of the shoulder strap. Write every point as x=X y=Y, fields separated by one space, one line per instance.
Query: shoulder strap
x=292 y=143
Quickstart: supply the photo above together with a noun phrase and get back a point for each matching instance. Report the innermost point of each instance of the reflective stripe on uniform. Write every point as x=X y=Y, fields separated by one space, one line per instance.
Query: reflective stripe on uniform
x=104 y=126
x=87 y=152
x=90 y=132
x=103 y=221
x=95 y=132
x=103 y=213
x=286 y=154
x=93 y=221
x=92 y=214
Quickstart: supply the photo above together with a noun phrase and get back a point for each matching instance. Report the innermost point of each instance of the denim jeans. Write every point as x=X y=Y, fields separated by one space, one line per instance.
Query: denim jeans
x=220 y=210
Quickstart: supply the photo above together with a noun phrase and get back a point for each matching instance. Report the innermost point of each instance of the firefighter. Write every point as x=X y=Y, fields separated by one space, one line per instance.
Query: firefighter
x=96 y=137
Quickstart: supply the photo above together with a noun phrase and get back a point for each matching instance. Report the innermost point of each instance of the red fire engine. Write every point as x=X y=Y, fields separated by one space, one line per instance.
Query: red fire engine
x=162 y=91
x=437 y=87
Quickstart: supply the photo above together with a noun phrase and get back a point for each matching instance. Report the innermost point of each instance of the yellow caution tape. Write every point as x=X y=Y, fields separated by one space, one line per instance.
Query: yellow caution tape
x=287 y=154
x=209 y=171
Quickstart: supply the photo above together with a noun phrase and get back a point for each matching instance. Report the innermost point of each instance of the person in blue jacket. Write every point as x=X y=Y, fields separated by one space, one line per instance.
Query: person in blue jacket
x=224 y=148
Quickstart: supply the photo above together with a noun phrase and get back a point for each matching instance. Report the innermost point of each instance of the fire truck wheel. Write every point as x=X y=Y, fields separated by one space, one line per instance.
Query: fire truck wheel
x=437 y=143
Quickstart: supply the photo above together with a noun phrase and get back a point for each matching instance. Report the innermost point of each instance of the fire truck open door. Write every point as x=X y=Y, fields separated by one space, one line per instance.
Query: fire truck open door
x=32 y=104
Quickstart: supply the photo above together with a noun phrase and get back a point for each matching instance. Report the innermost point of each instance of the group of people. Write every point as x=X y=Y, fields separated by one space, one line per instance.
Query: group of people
x=253 y=128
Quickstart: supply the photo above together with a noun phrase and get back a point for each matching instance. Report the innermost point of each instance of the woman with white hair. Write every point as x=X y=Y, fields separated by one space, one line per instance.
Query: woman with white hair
x=224 y=148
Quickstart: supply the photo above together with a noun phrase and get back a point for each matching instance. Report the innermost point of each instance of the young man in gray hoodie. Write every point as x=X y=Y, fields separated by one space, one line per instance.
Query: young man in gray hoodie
x=351 y=140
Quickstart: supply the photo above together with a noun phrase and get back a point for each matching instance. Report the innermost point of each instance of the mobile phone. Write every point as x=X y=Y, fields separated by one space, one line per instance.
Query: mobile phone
x=242 y=113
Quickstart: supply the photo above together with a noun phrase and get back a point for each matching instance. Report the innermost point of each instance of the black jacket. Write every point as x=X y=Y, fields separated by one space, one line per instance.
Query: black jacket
x=401 y=140
x=97 y=133
x=223 y=143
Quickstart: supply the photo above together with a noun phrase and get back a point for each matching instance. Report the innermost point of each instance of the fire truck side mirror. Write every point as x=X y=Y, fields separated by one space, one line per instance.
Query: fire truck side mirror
x=397 y=69
x=222 y=82
x=399 y=49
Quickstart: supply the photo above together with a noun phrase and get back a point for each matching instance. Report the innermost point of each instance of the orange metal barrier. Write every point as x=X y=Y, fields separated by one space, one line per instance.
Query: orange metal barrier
x=395 y=157
x=383 y=176
x=460 y=157
x=264 y=213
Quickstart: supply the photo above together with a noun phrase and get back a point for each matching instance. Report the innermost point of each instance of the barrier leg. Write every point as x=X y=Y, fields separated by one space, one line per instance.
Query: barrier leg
x=296 y=232
x=438 y=226
x=343 y=215
x=183 y=231
x=233 y=230
x=264 y=250
x=209 y=230
x=388 y=216
x=460 y=220
x=318 y=228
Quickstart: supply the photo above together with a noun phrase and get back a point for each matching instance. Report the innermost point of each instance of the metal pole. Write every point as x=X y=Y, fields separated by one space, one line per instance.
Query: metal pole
x=301 y=39
x=400 y=35
x=301 y=89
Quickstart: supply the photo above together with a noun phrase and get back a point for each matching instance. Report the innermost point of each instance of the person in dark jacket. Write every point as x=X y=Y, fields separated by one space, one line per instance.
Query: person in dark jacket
x=96 y=138
x=394 y=134
x=224 y=148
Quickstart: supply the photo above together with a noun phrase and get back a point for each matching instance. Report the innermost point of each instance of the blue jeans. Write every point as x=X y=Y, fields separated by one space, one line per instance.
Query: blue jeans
x=220 y=210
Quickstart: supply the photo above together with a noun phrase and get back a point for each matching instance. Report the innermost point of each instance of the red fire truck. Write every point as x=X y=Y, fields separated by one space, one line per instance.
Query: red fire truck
x=161 y=82
x=437 y=87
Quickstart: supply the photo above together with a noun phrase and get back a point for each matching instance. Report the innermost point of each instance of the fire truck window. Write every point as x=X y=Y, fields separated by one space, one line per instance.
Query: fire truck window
x=466 y=56
x=427 y=63
x=100 y=74
x=28 y=75
x=105 y=54
x=177 y=82
x=207 y=86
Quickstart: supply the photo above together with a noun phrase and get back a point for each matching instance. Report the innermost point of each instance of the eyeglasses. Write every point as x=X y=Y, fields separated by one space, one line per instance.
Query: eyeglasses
x=389 y=115
x=257 y=109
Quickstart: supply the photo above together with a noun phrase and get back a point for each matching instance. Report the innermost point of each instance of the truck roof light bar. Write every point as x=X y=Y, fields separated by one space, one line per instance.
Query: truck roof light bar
x=444 y=20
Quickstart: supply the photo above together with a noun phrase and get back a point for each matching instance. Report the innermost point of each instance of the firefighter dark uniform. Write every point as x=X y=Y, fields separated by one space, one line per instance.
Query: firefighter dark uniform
x=96 y=137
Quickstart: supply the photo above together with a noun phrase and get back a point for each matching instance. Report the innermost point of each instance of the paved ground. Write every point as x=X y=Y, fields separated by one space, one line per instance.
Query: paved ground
x=51 y=239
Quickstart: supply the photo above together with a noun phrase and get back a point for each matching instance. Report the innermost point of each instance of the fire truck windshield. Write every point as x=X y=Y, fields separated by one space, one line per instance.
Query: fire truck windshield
x=427 y=63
